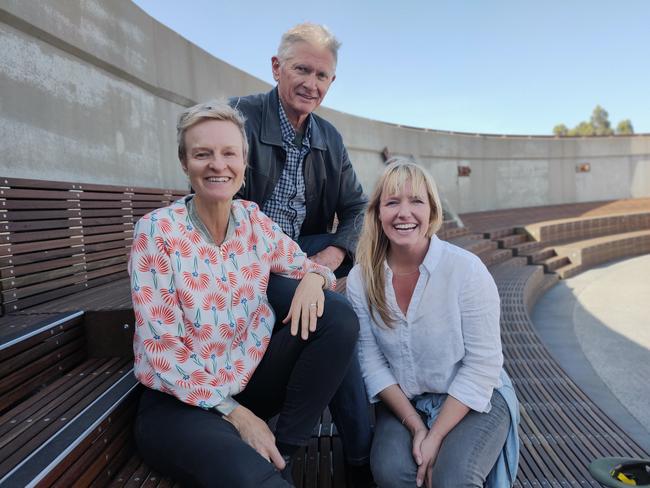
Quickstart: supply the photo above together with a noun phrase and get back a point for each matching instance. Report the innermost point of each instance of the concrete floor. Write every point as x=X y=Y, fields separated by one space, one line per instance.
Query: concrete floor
x=597 y=325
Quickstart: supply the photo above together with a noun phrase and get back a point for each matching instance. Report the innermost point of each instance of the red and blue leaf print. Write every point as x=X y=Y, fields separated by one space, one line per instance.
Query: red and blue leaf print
x=140 y=242
x=208 y=254
x=214 y=301
x=191 y=379
x=190 y=232
x=159 y=343
x=199 y=397
x=233 y=248
x=154 y=264
x=252 y=271
x=196 y=281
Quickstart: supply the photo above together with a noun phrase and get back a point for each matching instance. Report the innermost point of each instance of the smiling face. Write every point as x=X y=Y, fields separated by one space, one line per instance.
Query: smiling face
x=405 y=217
x=303 y=80
x=214 y=160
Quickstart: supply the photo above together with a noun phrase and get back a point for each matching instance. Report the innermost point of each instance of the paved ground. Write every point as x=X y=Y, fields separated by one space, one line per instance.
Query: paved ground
x=597 y=325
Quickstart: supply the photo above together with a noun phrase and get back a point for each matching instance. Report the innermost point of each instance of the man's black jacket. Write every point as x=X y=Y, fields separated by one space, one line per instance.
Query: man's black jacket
x=331 y=185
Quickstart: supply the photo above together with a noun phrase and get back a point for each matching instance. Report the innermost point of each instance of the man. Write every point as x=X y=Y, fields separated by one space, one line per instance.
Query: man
x=300 y=174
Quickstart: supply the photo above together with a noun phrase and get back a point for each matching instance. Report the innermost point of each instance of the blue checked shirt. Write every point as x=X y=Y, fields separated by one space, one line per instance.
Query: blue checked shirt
x=287 y=203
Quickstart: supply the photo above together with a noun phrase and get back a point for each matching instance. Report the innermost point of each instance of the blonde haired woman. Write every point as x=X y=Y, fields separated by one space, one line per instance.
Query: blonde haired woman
x=430 y=347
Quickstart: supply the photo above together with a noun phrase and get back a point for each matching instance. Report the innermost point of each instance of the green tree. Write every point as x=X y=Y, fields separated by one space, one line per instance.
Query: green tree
x=560 y=130
x=624 y=127
x=598 y=125
x=600 y=122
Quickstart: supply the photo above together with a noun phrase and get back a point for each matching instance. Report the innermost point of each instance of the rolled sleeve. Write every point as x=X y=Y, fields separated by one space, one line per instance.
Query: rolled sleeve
x=375 y=368
x=481 y=366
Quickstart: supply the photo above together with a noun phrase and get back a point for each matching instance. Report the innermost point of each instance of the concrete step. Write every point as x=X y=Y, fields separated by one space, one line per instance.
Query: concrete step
x=555 y=262
x=474 y=243
x=569 y=270
x=495 y=256
x=511 y=240
x=539 y=255
x=526 y=247
x=452 y=232
x=498 y=233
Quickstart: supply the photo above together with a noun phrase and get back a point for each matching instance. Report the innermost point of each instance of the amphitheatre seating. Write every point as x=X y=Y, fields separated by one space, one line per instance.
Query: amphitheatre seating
x=483 y=247
x=561 y=429
x=66 y=383
x=570 y=245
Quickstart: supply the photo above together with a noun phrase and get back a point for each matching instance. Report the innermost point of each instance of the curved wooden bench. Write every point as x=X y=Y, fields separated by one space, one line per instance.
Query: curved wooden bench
x=561 y=429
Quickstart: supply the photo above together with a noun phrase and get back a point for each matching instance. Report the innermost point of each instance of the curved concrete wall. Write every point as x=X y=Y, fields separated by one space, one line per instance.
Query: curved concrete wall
x=90 y=91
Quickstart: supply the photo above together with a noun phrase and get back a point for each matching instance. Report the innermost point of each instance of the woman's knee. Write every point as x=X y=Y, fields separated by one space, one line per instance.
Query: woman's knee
x=391 y=467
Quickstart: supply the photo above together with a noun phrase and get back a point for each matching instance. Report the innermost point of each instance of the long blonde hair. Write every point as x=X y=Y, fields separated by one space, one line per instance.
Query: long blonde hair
x=373 y=246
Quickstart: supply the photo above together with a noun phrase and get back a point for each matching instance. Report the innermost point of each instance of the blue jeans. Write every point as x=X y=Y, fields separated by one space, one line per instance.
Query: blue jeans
x=349 y=405
x=465 y=458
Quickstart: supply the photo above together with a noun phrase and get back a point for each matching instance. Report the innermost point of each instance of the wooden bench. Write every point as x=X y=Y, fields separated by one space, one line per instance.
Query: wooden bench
x=66 y=405
x=60 y=240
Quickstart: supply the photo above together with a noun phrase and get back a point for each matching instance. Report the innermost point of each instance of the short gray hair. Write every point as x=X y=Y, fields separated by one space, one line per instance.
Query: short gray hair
x=212 y=110
x=315 y=34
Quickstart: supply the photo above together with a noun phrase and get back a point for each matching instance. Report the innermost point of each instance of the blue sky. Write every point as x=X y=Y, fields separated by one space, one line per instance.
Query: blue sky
x=504 y=67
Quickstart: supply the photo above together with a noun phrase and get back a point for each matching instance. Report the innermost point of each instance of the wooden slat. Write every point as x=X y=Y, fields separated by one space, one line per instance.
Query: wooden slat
x=17 y=271
x=44 y=297
x=64 y=212
x=104 y=212
x=107 y=230
x=46 y=276
x=30 y=183
x=40 y=194
x=104 y=246
x=38 y=207
x=95 y=256
x=40 y=225
x=39 y=288
x=50 y=235
x=6 y=259
x=109 y=204
x=39 y=246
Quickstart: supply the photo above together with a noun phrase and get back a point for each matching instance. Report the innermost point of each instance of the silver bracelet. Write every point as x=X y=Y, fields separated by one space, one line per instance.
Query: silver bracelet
x=409 y=415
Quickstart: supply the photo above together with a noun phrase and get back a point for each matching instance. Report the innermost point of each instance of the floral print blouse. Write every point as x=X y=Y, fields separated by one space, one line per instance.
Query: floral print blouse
x=203 y=321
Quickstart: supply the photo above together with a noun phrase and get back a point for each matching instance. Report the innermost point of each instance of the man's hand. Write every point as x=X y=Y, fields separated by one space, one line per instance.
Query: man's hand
x=331 y=256
x=256 y=434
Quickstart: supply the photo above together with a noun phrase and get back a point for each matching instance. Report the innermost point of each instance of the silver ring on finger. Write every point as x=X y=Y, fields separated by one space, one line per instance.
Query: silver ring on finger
x=312 y=305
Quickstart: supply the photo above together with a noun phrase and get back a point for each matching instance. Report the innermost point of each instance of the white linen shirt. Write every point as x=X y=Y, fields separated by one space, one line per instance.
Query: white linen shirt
x=448 y=342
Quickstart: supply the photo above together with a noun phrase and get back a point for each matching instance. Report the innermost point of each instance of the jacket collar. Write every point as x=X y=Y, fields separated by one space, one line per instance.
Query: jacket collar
x=271 y=132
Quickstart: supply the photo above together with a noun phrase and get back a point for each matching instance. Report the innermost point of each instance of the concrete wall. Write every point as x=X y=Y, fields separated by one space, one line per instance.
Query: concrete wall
x=90 y=91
